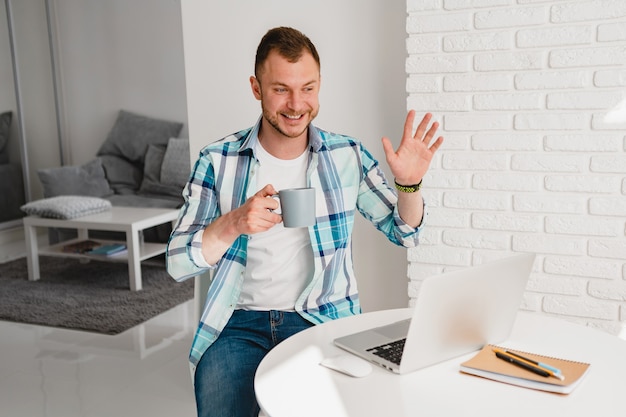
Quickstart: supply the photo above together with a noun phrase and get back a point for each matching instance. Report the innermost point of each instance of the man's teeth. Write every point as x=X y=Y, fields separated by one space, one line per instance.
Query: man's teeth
x=293 y=117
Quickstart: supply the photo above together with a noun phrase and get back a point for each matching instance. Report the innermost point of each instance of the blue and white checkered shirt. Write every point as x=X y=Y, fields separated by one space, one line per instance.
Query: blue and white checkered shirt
x=347 y=178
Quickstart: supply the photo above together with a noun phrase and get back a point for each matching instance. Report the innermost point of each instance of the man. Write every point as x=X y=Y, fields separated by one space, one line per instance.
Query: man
x=270 y=281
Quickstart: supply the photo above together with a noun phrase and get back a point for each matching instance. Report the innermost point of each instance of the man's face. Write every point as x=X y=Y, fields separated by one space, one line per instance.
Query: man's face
x=288 y=93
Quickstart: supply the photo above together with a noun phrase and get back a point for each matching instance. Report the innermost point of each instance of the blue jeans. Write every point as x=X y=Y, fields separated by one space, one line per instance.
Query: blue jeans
x=224 y=379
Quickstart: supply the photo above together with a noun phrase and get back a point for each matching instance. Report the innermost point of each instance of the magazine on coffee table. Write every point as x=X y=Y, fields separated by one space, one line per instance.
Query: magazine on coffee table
x=108 y=249
x=82 y=246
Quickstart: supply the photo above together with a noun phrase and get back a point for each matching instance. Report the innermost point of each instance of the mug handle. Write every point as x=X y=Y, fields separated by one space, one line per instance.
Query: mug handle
x=279 y=209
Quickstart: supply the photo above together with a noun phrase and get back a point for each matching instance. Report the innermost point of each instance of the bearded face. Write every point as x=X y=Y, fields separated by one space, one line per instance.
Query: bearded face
x=288 y=92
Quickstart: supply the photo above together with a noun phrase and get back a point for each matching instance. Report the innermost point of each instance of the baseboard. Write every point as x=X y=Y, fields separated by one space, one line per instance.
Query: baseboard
x=13 y=244
x=12 y=234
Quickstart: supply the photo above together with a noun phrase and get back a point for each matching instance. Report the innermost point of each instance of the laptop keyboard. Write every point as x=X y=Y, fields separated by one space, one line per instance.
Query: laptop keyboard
x=390 y=351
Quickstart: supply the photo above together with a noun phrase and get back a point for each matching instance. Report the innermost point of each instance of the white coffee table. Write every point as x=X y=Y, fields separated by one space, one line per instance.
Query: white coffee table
x=131 y=220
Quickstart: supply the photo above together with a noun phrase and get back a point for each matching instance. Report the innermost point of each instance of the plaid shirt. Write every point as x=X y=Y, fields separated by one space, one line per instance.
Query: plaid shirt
x=347 y=178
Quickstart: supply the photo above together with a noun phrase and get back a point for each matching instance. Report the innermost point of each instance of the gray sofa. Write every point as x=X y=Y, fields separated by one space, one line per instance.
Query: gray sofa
x=11 y=180
x=142 y=163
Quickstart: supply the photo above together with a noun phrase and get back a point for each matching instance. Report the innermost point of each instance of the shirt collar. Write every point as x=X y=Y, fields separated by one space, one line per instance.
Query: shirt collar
x=251 y=141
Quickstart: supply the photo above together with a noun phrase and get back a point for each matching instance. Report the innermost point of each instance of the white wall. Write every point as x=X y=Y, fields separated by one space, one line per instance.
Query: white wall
x=532 y=161
x=362 y=50
x=113 y=55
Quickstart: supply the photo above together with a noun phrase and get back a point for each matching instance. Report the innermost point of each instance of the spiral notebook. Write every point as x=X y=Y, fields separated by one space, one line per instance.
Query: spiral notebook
x=485 y=364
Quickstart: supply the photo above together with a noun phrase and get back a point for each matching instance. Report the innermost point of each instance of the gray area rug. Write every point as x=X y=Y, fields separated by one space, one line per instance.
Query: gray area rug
x=93 y=296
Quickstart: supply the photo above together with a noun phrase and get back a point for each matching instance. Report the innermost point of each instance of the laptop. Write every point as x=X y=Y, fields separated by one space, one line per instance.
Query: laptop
x=455 y=313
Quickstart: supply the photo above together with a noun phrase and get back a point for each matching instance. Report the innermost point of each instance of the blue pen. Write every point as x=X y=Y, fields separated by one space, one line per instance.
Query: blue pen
x=542 y=365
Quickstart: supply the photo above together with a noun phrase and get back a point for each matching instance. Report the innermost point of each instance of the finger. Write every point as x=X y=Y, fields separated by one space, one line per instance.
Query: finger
x=436 y=144
x=408 y=124
x=266 y=191
x=265 y=217
x=274 y=204
x=271 y=219
x=388 y=148
x=269 y=202
x=431 y=133
x=421 y=128
x=262 y=223
x=261 y=201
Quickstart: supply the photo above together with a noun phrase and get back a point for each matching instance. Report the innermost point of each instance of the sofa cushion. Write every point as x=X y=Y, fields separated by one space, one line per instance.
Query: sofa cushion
x=66 y=206
x=5 y=132
x=124 y=177
x=144 y=201
x=176 y=167
x=132 y=133
x=154 y=160
x=85 y=180
x=151 y=186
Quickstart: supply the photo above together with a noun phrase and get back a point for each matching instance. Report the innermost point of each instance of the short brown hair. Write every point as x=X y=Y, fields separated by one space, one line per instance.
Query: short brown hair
x=288 y=42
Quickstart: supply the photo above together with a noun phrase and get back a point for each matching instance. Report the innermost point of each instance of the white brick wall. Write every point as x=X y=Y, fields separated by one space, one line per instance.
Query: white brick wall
x=531 y=96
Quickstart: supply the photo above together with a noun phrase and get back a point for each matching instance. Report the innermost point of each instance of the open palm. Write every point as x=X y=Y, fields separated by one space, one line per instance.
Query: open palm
x=410 y=162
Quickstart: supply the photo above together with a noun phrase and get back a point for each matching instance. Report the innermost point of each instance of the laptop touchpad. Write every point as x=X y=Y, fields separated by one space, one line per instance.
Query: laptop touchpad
x=396 y=330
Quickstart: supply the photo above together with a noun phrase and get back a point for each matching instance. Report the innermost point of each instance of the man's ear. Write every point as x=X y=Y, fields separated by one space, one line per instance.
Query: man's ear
x=256 y=87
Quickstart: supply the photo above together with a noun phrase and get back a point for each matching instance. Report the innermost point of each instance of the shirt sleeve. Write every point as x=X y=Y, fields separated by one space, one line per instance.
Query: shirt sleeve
x=378 y=202
x=184 y=258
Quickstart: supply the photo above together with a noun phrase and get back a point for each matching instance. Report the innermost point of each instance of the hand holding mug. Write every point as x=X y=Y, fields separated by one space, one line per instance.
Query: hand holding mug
x=297 y=206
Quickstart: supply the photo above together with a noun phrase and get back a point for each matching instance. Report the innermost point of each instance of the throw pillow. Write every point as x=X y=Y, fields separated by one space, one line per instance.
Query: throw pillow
x=176 y=166
x=154 y=160
x=86 y=180
x=124 y=177
x=5 y=131
x=66 y=206
x=151 y=184
x=133 y=133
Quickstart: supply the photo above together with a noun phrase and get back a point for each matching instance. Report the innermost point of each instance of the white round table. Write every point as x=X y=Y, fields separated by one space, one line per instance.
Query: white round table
x=291 y=383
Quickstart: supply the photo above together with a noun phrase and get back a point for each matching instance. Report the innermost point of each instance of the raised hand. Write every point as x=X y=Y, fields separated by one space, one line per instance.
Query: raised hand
x=410 y=162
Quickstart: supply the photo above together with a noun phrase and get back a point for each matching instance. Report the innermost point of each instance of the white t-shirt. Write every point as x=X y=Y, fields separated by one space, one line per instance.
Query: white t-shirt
x=280 y=260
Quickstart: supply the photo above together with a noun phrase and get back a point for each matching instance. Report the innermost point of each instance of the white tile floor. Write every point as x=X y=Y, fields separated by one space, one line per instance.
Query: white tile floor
x=63 y=373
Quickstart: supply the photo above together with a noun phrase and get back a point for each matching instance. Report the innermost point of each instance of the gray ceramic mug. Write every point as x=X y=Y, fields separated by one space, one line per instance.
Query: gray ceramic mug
x=297 y=206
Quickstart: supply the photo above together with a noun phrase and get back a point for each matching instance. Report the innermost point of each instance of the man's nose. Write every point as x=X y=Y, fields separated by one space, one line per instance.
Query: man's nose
x=295 y=99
